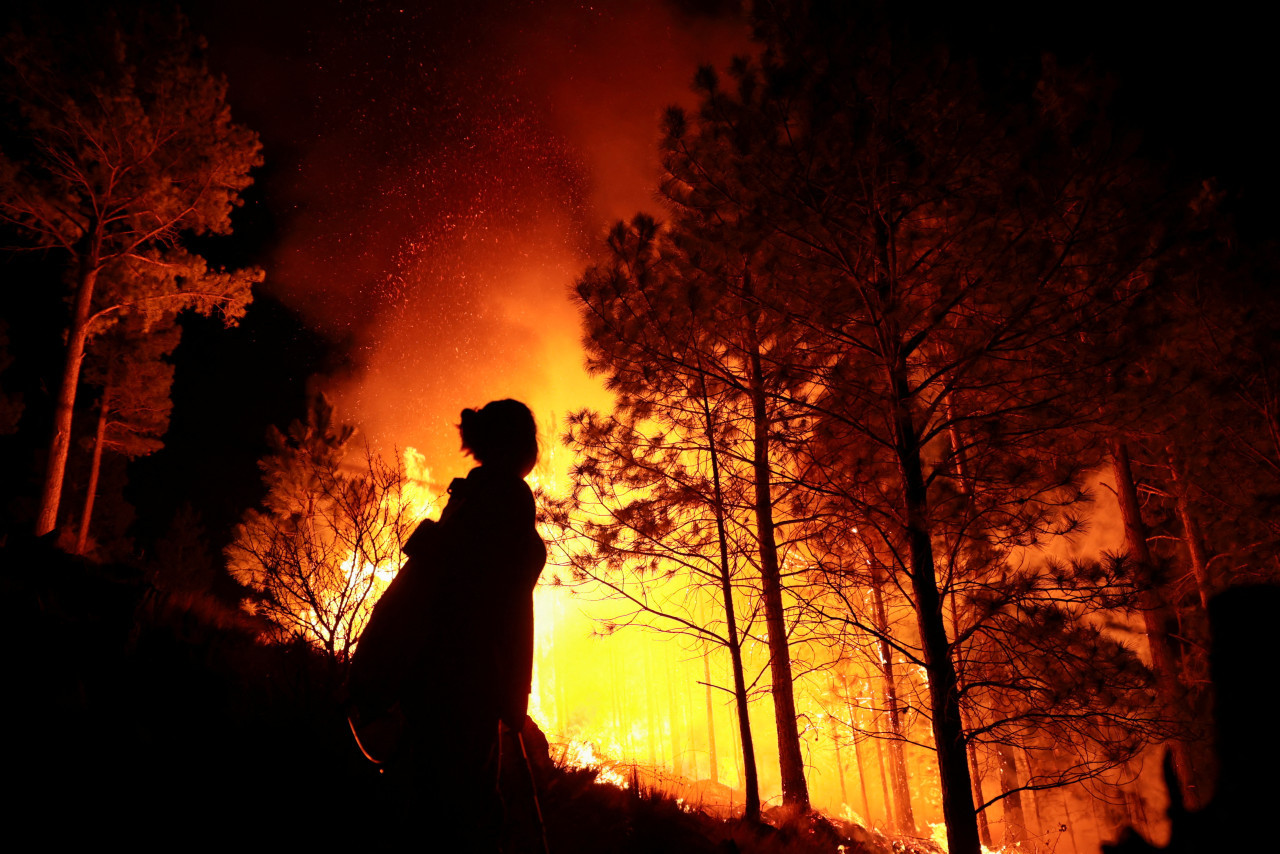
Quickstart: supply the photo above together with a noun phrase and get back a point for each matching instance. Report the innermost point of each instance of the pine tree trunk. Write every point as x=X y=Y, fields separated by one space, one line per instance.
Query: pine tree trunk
x=64 y=408
x=1070 y=822
x=862 y=779
x=857 y=752
x=714 y=776
x=689 y=708
x=944 y=694
x=620 y=722
x=750 y=779
x=904 y=816
x=1191 y=533
x=100 y=435
x=984 y=827
x=1156 y=615
x=751 y=782
x=737 y=759
x=1015 y=822
x=835 y=744
x=673 y=721
x=652 y=728
x=1037 y=797
x=889 y=820
x=966 y=489
x=795 y=792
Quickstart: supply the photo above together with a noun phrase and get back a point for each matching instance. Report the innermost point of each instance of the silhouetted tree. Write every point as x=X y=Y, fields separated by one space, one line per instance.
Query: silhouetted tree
x=850 y=598
x=667 y=338
x=130 y=367
x=936 y=260
x=121 y=143
x=1192 y=449
x=650 y=521
x=657 y=512
x=327 y=539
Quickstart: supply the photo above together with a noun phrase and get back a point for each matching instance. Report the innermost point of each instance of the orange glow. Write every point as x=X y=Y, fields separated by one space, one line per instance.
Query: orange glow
x=638 y=705
x=454 y=287
x=418 y=499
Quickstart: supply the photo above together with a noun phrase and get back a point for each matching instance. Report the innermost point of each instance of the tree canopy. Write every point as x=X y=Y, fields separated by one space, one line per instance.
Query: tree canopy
x=327 y=539
x=120 y=145
x=900 y=289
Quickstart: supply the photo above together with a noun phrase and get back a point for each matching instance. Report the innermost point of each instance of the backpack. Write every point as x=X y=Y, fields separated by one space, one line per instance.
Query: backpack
x=394 y=639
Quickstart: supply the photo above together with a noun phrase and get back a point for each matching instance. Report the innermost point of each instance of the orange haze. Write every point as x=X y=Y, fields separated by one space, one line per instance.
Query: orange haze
x=442 y=223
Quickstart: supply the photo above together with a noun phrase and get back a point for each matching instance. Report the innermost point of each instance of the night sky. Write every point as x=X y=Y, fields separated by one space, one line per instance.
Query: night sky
x=438 y=173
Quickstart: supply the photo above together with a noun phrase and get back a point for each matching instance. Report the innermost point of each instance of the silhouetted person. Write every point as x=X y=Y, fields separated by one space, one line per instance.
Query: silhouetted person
x=454 y=646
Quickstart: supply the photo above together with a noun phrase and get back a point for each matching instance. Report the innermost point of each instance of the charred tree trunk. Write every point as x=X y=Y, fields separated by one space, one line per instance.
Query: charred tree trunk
x=795 y=791
x=862 y=778
x=95 y=466
x=966 y=489
x=64 y=408
x=1037 y=797
x=1156 y=616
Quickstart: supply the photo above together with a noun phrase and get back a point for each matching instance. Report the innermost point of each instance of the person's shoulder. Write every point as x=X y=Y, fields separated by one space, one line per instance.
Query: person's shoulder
x=499 y=486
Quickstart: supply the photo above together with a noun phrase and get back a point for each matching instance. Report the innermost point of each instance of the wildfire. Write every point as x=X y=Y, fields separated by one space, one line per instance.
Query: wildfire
x=938 y=835
x=635 y=706
x=414 y=497
x=582 y=754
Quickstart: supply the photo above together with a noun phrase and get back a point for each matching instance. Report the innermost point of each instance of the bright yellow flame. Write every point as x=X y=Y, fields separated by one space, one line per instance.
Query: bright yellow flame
x=938 y=835
x=582 y=754
x=412 y=503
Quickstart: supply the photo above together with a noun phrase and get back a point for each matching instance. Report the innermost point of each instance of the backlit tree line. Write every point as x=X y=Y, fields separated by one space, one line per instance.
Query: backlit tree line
x=889 y=327
x=871 y=364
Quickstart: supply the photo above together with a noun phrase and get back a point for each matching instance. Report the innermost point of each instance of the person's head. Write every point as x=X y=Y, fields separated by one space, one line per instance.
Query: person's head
x=501 y=435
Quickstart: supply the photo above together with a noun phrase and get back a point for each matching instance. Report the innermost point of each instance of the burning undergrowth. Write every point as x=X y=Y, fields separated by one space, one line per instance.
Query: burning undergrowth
x=586 y=811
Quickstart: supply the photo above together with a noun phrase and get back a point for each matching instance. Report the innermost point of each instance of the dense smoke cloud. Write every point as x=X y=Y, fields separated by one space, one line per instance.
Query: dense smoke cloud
x=441 y=173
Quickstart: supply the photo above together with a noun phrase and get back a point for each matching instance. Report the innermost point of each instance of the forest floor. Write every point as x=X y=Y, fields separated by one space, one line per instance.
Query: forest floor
x=161 y=718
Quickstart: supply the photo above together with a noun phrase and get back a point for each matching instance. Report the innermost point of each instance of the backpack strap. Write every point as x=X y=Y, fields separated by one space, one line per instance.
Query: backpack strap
x=457 y=497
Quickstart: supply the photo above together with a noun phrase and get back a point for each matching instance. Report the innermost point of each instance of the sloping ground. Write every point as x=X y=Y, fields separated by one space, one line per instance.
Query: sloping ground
x=633 y=810
x=135 y=715
x=583 y=817
x=162 y=720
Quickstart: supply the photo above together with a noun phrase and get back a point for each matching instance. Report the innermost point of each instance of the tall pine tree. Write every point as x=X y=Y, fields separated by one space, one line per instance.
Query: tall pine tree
x=933 y=260
x=121 y=146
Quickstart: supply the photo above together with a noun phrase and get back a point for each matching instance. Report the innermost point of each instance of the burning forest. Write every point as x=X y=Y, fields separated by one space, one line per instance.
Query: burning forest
x=905 y=397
